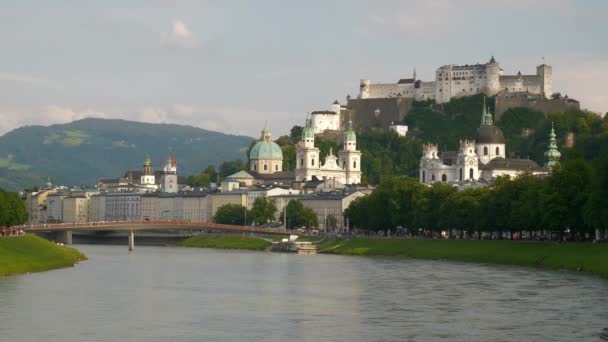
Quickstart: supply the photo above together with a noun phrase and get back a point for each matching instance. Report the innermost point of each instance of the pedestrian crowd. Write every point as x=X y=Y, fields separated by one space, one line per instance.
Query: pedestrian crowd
x=5 y=231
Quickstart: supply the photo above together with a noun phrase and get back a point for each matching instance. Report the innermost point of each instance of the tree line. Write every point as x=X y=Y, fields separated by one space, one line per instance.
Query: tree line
x=12 y=209
x=263 y=211
x=572 y=201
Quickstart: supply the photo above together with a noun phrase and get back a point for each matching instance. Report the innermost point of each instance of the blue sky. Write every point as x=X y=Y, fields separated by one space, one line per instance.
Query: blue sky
x=231 y=65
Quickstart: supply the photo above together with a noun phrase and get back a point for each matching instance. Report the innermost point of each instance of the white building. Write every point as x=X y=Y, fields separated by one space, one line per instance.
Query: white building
x=123 y=206
x=54 y=207
x=269 y=191
x=323 y=120
x=463 y=80
x=481 y=159
x=346 y=167
x=330 y=205
x=400 y=129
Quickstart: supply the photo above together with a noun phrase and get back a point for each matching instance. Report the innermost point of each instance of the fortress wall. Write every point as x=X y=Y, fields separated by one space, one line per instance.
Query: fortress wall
x=535 y=102
x=529 y=83
x=364 y=118
x=390 y=90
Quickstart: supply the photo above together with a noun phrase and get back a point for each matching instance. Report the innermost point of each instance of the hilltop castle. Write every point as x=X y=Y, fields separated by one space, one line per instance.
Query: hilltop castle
x=463 y=80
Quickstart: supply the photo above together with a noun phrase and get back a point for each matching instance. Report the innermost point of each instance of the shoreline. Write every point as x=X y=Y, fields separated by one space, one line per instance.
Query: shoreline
x=579 y=257
x=227 y=242
x=30 y=253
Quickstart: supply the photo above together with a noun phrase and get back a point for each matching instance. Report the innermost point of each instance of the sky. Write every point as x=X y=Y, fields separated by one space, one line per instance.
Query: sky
x=232 y=65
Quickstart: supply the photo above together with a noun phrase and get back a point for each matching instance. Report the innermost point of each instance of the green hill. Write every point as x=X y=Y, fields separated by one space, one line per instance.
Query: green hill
x=80 y=152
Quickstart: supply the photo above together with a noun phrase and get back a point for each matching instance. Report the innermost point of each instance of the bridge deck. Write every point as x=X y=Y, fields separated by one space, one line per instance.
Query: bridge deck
x=154 y=225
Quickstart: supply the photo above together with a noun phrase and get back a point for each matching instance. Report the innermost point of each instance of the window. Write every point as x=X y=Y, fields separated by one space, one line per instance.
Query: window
x=276 y=167
x=471 y=173
x=312 y=162
x=444 y=178
x=423 y=177
x=265 y=167
x=354 y=165
x=302 y=162
x=255 y=167
x=433 y=177
x=485 y=151
x=460 y=174
x=497 y=150
x=344 y=165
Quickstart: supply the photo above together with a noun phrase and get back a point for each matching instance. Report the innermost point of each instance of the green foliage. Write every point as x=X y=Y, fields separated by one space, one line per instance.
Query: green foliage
x=30 y=253
x=12 y=209
x=230 y=214
x=263 y=210
x=226 y=242
x=571 y=198
x=228 y=168
x=572 y=256
x=299 y=216
x=81 y=152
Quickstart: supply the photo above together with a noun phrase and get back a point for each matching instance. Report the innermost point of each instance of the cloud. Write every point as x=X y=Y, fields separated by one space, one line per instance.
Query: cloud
x=180 y=36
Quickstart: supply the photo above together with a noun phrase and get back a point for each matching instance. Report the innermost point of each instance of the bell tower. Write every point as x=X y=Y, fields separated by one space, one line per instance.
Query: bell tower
x=349 y=158
x=307 y=155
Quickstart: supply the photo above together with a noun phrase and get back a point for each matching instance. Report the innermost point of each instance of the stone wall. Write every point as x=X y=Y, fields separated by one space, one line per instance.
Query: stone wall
x=536 y=102
x=364 y=116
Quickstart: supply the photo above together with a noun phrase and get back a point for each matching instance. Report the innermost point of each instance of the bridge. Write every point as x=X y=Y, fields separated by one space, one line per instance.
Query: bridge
x=63 y=231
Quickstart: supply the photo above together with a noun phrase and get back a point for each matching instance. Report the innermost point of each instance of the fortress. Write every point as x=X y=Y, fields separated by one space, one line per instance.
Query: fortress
x=463 y=80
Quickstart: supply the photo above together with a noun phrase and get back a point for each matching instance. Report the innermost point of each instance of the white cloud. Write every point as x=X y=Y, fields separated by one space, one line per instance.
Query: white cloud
x=180 y=36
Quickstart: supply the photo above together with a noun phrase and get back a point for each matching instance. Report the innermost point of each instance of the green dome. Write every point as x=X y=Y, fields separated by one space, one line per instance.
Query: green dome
x=308 y=132
x=266 y=150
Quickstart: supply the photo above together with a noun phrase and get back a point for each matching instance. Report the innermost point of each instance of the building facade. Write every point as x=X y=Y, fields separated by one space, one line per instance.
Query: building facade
x=452 y=81
x=479 y=159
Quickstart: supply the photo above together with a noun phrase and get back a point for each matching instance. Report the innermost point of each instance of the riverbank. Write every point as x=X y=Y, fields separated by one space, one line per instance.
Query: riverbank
x=585 y=257
x=30 y=253
x=227 y=242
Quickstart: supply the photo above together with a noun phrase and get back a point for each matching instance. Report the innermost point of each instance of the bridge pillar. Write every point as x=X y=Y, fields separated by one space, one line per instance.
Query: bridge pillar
x=131 y=241
x=64 y=237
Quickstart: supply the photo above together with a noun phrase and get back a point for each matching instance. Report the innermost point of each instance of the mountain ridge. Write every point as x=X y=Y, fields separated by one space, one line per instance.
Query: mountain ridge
x=82 y=151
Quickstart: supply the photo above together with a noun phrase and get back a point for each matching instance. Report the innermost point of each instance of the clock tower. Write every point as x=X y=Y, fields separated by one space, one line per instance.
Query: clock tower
x=468 y=163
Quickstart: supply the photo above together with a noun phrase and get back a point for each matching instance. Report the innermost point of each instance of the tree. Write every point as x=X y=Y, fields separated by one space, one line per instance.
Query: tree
x=200 y=180
x=230 y=214
x=230 y=167
x=299 y=216
x=12 y=209
x=296 y=134
x=263 y=210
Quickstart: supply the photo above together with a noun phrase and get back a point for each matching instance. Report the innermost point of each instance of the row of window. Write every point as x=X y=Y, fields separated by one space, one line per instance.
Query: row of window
x=444 y=177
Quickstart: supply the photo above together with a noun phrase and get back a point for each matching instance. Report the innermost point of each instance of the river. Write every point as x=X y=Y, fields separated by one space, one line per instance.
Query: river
x=183 y=294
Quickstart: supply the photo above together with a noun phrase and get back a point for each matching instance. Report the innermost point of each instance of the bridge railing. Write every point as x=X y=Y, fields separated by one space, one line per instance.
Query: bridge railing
x=155 y=225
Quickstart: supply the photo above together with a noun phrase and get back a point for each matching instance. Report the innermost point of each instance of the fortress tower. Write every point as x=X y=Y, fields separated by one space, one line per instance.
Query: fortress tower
x=545 y=73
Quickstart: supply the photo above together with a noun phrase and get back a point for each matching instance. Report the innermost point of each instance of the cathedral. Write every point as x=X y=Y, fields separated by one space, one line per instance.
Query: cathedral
x=345 y=168
x=266 y=160
x=480 y=159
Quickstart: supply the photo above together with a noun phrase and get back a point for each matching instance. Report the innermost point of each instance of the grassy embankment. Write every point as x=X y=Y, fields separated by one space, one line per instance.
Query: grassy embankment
x=30 y=253
x=226 y=242
x=586 y=257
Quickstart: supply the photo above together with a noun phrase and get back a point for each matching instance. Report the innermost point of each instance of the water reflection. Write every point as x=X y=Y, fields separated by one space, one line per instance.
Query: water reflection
x=174 y=294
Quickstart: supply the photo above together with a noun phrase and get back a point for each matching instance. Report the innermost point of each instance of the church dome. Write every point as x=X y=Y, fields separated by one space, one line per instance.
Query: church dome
x=266 y=148
x=489 y=134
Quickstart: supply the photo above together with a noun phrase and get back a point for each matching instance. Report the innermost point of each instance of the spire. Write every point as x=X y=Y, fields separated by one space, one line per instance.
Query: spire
x=349 y=133
x=266 y=135
x=552 y=154
x=414 y=74
x=486 y=116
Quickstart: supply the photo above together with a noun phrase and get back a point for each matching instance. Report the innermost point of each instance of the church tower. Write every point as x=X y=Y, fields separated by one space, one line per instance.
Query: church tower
x=307 y=155
x=552 y=154
x=468 y=164
x=147 y=178
x=489 y=140
x=168 y=182
x=350 y=157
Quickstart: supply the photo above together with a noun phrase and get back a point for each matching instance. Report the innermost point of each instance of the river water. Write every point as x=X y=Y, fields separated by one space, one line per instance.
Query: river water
x=183 y=294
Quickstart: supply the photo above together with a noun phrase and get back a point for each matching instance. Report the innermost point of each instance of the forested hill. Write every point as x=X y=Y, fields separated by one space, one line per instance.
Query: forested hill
x=526 y=133
x=80 y=152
